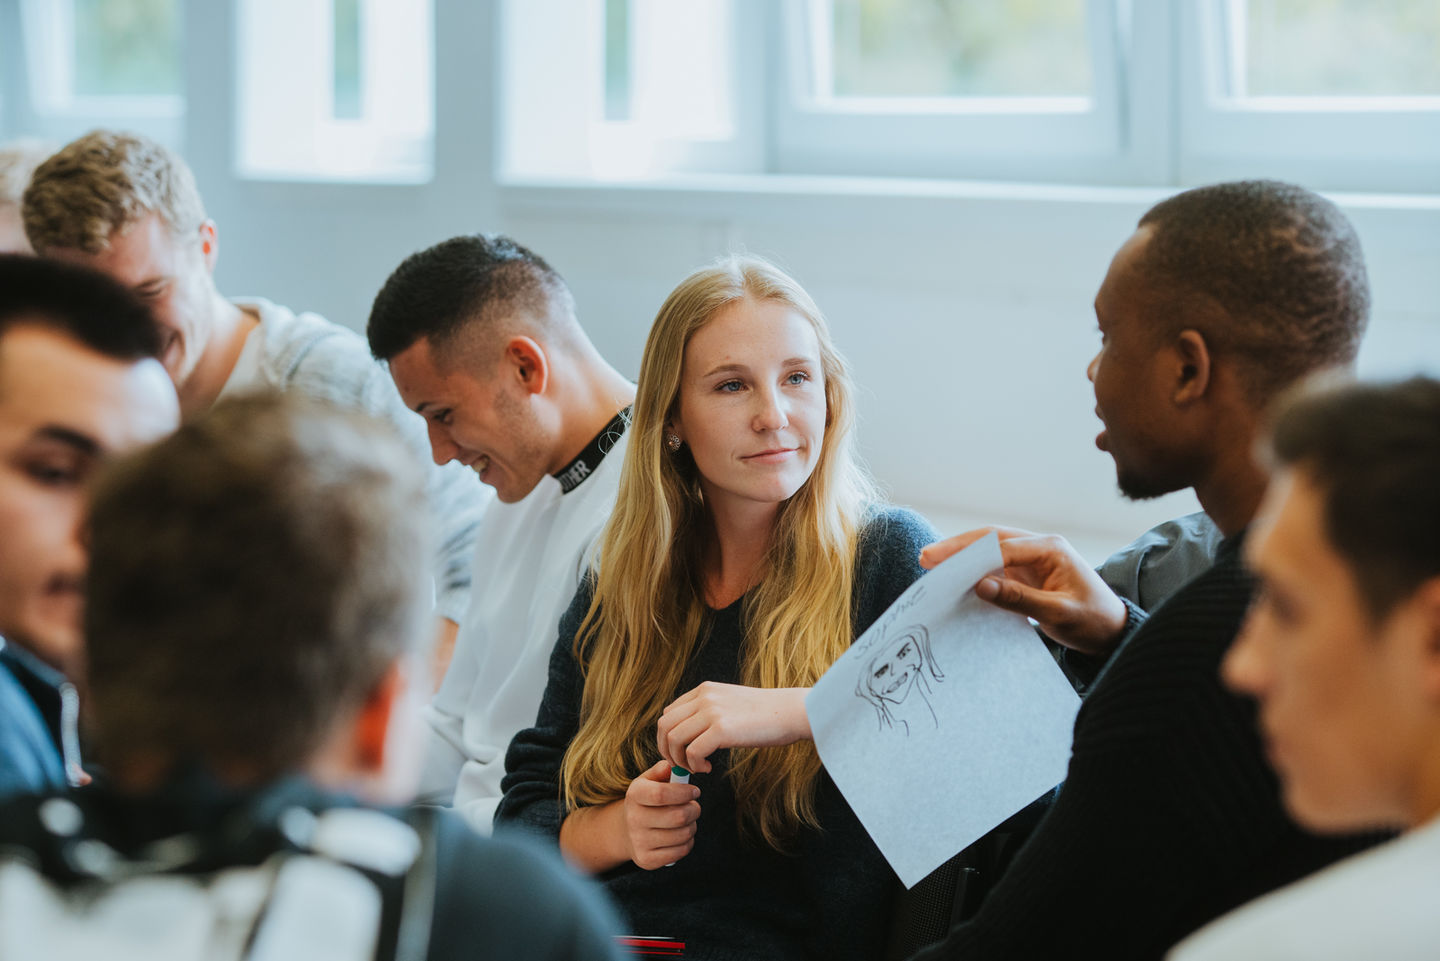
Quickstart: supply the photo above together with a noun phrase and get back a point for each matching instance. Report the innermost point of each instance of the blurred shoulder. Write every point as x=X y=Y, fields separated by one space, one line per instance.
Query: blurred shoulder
x=895 y=531
x=497 y=893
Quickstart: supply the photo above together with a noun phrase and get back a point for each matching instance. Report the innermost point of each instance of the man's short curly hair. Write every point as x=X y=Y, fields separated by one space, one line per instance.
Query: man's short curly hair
x=105 y=182
x=1283 y=262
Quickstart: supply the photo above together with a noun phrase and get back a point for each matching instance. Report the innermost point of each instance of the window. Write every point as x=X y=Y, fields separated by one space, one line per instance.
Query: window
x=338 y=90
x=950 y=50
x=975 y=88
x=124 y=49
x=619 y=88
x=1340 y=94
x=91 y=63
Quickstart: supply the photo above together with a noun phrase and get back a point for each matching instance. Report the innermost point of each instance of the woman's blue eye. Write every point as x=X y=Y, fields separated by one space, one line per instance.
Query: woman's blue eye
x=799 y=377
x=730 y=385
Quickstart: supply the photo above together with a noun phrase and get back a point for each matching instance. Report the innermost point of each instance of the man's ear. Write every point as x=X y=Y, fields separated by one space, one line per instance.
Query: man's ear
x=1192 y=367
x=1427 y=601
x=371 y=733
x=209 y=245
x=529 y=364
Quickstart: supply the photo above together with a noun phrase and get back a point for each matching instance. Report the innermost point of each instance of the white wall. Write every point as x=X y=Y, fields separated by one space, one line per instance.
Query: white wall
x=965 y=309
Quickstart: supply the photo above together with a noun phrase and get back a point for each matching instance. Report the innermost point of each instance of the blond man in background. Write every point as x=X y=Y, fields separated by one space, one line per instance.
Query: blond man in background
x=129 y=207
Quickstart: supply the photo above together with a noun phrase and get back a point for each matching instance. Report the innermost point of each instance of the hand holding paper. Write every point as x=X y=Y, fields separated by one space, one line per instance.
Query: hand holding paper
x=1046 y=579
x=944 y=718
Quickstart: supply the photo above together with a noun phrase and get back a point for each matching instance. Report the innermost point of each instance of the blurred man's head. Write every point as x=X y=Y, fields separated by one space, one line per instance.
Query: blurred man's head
x=473 y=329
x=78 y=381
x=129 y=207
x=17 y=161
x=1342 y=648
x=1222 y=297
x=259 y=600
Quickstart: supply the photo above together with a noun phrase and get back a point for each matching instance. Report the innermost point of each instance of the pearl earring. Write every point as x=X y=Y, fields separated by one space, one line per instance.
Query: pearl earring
x=672 y=441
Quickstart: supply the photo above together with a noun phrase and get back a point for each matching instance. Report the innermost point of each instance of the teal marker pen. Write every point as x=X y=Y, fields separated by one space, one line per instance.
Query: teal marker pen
x=678 y=775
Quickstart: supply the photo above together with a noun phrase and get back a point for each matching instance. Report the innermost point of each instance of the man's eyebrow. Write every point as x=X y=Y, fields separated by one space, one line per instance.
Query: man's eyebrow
x=71 y=438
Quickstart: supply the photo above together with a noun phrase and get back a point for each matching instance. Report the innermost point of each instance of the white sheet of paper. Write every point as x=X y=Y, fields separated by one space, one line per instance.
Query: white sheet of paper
x=944 y=718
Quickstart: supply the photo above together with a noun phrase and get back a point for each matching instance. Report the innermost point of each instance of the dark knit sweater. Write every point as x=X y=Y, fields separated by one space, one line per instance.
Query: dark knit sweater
x=1170 y=815
x=829 y=897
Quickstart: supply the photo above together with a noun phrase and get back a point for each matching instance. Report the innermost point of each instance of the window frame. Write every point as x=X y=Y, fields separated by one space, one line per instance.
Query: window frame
x=1055 y=139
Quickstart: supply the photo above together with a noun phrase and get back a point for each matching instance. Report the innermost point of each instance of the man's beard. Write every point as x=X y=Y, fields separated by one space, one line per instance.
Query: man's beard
x=1138 y=487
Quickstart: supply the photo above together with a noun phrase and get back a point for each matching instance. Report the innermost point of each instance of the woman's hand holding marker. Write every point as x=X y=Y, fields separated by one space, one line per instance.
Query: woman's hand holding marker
x=660 y=818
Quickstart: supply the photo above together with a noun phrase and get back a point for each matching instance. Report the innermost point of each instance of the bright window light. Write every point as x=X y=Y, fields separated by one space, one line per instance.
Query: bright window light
x=1340 y=94
x=90 y=58
x=620 y=88
x=968 y=88
x=1339 y=48
x=668 y=83
x=126 y=47
x=335 y=90
x=952 y=48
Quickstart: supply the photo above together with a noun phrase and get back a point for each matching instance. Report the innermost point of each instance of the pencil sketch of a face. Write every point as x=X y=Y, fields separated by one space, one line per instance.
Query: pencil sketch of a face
x=900 y=665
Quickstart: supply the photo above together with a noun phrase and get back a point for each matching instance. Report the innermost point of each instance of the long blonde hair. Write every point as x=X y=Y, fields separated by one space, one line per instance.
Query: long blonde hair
x=648 y=609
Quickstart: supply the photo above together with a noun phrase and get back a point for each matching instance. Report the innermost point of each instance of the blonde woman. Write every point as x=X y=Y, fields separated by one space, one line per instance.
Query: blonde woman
x=745 y=554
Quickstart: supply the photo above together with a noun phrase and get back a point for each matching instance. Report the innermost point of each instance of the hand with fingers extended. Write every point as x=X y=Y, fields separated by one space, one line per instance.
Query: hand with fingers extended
x=714 y=716
x=1045 y=579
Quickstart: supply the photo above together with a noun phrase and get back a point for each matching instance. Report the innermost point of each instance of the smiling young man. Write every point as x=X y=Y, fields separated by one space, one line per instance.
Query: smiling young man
x=1342 y=653
x=1170 y=815
x=127 y=206
x=482 y=342
x=78 y=382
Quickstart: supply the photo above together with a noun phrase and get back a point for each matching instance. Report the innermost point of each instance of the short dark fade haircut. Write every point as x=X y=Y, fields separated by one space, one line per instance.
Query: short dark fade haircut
x=436 y=293
x=1283 y=262
x=1373 y=451
x=84 y=305
x=252 y=577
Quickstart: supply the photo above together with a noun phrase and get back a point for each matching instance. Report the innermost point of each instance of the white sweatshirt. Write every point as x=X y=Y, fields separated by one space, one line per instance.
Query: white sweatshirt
x=529 y=563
